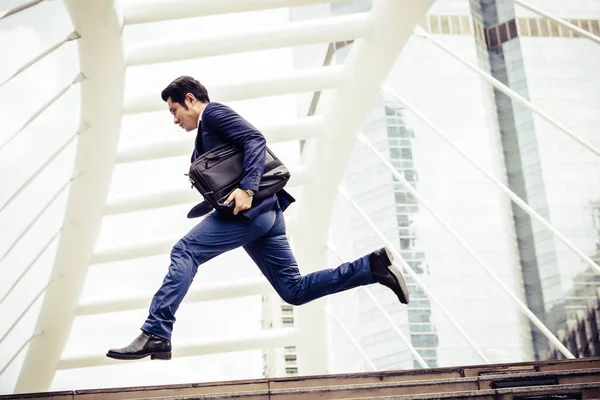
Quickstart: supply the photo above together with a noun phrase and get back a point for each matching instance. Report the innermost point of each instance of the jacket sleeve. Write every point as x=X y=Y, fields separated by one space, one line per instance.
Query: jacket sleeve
x=230 y=126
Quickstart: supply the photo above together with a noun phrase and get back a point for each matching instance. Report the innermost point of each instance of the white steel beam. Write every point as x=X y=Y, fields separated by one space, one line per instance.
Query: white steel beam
x=148 y=248
x=304 y=80
x=102 y=62
x=313 y=31
x=143 y=11
x=367 y=65
x=176 y=197
x=298 y=129
x=261 y=340
x=206 y=292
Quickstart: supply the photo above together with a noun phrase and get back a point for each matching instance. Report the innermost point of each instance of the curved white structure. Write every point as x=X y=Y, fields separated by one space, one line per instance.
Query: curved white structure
x=378 y=38
x=103 y=65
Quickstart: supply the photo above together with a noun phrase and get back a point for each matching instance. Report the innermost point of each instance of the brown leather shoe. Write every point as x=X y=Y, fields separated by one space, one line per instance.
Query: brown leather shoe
x=386 y=274
x=143 y=346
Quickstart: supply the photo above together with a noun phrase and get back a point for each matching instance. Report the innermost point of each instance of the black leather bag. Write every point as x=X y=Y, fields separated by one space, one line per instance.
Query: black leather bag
x=217 y=173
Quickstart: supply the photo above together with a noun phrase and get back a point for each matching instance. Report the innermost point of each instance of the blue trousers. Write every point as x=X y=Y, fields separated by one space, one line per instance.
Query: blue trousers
x=264 y=240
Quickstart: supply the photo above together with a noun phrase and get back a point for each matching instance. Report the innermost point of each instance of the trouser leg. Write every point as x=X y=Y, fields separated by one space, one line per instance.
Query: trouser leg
x=275 y=259
x=211 y=237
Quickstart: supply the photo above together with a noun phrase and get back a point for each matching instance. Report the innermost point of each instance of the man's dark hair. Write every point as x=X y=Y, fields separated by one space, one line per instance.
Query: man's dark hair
x=182 y=86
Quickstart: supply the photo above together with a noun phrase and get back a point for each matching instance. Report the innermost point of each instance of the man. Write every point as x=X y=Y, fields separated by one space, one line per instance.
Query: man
x=257 y=226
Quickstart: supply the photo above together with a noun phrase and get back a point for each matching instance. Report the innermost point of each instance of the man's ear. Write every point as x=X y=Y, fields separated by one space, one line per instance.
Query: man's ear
x=191 y=98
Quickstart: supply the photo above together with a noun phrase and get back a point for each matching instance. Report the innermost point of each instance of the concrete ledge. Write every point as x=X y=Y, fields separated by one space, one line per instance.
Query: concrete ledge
x=467 y=381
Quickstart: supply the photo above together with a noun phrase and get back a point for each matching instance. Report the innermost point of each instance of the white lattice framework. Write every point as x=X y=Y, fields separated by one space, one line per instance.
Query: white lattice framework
x=379 y=37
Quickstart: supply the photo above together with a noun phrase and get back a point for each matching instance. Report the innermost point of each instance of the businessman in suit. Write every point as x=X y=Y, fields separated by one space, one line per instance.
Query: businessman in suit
x=257 y=225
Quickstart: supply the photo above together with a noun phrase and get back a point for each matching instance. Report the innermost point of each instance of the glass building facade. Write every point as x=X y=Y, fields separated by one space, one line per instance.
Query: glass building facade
x=544 y=63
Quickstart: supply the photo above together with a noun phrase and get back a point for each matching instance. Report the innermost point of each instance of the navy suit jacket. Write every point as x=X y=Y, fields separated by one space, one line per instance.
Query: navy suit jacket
x=220 y=125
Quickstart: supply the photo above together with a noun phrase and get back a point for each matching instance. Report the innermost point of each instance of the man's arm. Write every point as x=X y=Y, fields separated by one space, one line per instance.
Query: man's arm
x=233 y=128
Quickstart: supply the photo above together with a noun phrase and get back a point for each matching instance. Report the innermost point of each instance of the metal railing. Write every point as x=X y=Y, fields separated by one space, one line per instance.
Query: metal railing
x=530 y=315
x=522 y=204
x=48 y=51
x=386 y=315
x=416 y=278
x=79 y=78
x=31 y=264
x=36 y=218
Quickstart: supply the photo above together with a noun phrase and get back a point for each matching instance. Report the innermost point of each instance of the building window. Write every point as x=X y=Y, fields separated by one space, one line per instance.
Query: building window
x=502 y=30
x=555 y=30
x=512 y=29
x=492 y=36
x=435 y=27
x=534 y=27
x=523 y=27
x=445 y=24
x=290 y=359
x=544 y=28
x=595 y=24
x=465 y=25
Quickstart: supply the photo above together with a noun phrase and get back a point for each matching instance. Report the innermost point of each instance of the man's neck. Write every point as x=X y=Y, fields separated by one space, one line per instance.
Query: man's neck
x=202 y=107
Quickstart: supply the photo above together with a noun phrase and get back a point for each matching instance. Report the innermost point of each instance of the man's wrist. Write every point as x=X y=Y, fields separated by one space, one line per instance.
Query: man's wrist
x=250 y=192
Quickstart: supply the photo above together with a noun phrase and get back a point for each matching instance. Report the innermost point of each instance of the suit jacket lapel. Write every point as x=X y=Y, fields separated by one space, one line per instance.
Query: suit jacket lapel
x=198 y=145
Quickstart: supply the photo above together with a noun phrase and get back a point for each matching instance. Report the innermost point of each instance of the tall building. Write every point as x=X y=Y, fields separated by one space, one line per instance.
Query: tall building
x=546 y=64
x=555 y=70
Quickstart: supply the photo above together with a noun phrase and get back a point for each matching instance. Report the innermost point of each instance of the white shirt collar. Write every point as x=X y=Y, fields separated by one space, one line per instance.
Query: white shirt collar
x=200 y=118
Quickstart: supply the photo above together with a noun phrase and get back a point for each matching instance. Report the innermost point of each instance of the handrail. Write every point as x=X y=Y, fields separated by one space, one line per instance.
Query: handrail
x=496 y=182
x=414 y=275
x=532 y=317
x=79 y=78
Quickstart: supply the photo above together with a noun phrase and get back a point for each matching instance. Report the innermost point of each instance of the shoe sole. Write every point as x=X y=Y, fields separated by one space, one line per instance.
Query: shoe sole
x=154 y=356
x=403 y=295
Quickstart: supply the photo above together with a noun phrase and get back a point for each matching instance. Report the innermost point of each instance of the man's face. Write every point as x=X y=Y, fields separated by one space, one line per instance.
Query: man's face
x=186 y=118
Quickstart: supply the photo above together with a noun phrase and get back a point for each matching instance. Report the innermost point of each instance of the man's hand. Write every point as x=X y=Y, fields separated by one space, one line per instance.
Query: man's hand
x=243 y=201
